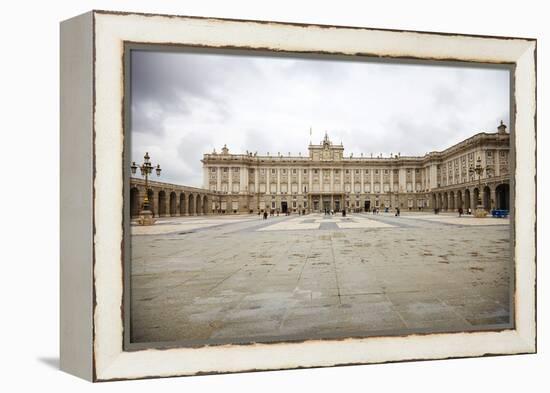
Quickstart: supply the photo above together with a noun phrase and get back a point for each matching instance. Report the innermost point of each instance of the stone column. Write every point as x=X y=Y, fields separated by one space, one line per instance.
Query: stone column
x=218 y=179
x=300 y=174
x=289 y=185
x=243 y=171
x=230 y=180
x=155 y=203
x=278 y=181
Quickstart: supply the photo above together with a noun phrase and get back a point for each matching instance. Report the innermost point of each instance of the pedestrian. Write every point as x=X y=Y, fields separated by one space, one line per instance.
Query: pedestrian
x=460 y=211
x=265 y=215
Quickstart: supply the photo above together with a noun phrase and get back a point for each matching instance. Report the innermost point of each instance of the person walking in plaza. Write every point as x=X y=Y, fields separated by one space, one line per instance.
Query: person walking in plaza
x=265 y=215
x=460 y=211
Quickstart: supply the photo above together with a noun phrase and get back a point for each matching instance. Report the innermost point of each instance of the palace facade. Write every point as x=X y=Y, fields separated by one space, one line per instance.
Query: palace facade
x=328 y=179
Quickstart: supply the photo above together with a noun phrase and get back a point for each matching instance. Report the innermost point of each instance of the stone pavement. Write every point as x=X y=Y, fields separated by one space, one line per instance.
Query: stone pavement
x=227 y=279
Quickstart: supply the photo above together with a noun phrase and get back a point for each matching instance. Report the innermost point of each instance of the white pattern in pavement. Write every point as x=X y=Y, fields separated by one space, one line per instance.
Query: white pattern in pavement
x=465 y=220
x=184 y=224
x=314 y=221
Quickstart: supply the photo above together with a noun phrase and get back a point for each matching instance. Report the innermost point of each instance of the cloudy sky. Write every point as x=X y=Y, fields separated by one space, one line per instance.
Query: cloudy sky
x=186 y=104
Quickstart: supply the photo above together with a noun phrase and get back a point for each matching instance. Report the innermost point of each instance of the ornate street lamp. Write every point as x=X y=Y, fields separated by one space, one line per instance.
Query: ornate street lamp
x=479 y=170
x=146 y=169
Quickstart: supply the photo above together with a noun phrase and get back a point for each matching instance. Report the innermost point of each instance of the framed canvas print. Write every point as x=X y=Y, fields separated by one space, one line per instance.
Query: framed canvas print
x=247 y=195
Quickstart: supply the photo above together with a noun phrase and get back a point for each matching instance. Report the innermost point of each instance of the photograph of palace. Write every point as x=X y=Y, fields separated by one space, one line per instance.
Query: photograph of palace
x=327 y=180
x=281 y=198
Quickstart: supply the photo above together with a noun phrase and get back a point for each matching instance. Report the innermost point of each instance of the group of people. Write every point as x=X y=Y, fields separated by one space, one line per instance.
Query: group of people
x=273 y=212
x=461 y=211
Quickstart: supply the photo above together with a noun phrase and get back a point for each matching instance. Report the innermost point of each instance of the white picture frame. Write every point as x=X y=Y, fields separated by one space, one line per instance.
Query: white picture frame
x=92 y=224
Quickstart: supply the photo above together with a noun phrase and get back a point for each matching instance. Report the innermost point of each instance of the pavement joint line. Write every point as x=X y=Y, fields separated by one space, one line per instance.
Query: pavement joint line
x=335 y=269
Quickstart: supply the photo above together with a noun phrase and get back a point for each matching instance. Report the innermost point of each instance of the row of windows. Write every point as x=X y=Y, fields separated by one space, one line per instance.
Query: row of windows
x=315 y=171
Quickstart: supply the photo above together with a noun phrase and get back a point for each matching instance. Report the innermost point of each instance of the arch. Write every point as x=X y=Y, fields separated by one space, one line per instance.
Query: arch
x=467 y=199
x=198 y=205
x=486 y=198
x=476 y=198
x=459 y=200
x=451 y=200
x=162 y=203
x=191 y=205
x=205 y=205
x=135 y=204
x=182 y=204
x=151 y=198
x=173 y=204
x=502 y=196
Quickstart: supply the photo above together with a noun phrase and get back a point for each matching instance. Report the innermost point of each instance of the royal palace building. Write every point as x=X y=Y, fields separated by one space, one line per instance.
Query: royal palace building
x=328 y=179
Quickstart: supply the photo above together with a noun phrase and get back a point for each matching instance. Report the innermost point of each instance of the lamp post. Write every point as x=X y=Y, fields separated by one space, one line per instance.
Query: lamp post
x=146 y=215
x=479 y=170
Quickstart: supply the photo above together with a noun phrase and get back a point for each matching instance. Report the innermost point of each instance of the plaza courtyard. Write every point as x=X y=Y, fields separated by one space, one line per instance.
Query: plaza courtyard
x=239 y=278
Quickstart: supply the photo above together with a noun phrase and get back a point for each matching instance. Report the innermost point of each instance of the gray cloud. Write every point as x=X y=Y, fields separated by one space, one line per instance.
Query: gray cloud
x=186 y=104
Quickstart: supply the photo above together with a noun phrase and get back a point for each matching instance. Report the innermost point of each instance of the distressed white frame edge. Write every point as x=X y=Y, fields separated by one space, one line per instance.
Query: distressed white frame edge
x=111 y=30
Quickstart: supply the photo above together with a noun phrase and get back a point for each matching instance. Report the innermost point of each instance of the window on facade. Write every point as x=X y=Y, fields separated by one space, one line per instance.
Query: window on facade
x=262 y=171
x=273 y=171
x=225 y=169
x=385 y=171
x=235 y=169
x=376 y=172
x=315 y=171
x=502 y=153
x=357 y=171
x=305 y=171
x=284 y=171
x=294 y=171
x=336 y=171
x=366 y=171
x=417 y=170
x=489 y=154
x=408 y=171
x=213 y=169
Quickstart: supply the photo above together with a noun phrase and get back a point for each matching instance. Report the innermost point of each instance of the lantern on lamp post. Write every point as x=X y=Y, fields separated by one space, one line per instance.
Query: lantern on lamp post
x=146 y=169
x=478 y=170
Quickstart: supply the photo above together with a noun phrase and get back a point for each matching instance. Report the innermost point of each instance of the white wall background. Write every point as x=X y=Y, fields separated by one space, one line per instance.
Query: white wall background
x=29 y=197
